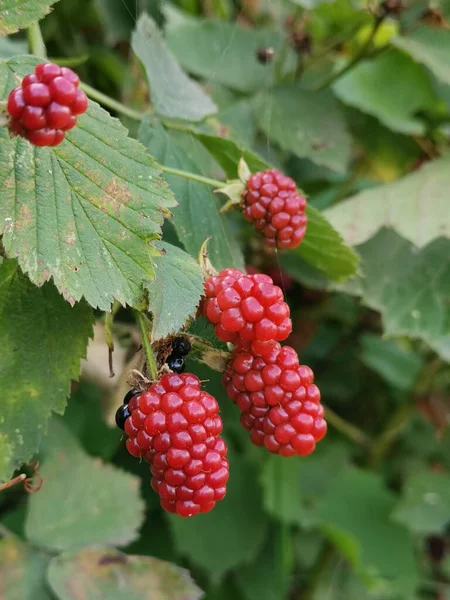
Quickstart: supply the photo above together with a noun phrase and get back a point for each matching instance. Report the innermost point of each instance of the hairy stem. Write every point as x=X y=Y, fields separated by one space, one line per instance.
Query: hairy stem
x=355 y=60
x=36 y=41
x=145 y=327
x=192 y=176
x=111 y=103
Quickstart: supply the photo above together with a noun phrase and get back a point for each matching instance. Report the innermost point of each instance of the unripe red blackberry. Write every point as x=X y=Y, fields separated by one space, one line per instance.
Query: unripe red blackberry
x=244 y=308
x=176 y=427
x=276 y=209
x=45 y=105
x=280 y=404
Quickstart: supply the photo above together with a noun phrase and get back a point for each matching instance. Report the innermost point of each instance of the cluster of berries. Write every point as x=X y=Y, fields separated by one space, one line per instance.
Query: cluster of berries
x=280 y=404
x=46 y=105
x=175 y=426
x=271 y=202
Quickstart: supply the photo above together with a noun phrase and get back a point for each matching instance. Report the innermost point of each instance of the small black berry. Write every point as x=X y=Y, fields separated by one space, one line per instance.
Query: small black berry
x=129 y=395
x=176 y=363
x=122 y=415
x=181 y=346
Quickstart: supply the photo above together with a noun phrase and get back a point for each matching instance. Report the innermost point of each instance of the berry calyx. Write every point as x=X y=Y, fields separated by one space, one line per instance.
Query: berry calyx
x=46 y=105
x=245 y=308
x=279 y=403
x=176 y=427
x=276 y=209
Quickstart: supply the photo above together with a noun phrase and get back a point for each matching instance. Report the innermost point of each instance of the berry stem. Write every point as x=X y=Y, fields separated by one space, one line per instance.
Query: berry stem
x=111 y=103
x=109 y=326
x=192 y=176
x=355 y=60
x=14 y=481
x=36 y=41
x=348 y=429
x=145 y=328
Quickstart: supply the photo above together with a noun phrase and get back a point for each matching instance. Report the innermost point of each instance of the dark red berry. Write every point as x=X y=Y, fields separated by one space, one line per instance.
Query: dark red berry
x=33 y=117
x=47 y=71
x=175 y=426
x=46 y=105
x=41 y=137
x=80 y=104
x=37 y=94
x=70 y=76
x=16 y=103
x=276 y=209
x=62 y=90
x=244 y=308
x=280 y=404
x=58 y=115
x=71 y=123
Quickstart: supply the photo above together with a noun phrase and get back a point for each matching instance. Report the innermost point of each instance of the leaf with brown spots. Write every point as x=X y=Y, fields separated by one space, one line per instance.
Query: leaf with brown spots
x=85 y=213
x=42 y=339
x=106 y=573
x=18 y=14
x=22 y=570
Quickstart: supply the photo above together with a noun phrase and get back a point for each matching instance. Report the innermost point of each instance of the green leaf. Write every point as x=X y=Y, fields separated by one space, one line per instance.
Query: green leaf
x=22 y=570
x=425 y=506
x=233 y=532
x=175 y=294
x=416 y=207
x=173 y=93
x=197 y=216
x=42 y=340
x=281 y=483
x=261 y=579
x=322 y=246
x=397 y=366
x=224 y=52
x=355 y=515
x=429 y=46
x=228 y=153
x=82 y=502
x=85 y=212
x=18 y=14
x=292 y=488
x=374 y=87
x=95 y=573
x=85 y=417
x=9 y=47
x=308 y=124
x=409 y=287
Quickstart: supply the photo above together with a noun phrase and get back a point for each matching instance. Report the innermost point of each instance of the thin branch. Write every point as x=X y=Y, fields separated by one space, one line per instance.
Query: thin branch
x=192 y=176
x=111 y=103
x=145 y=328
x=14 y=481
x=348 y=429
x=355 y=60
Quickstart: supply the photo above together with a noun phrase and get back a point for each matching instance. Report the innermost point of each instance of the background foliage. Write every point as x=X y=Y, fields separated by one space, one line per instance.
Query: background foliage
x=355 y=106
